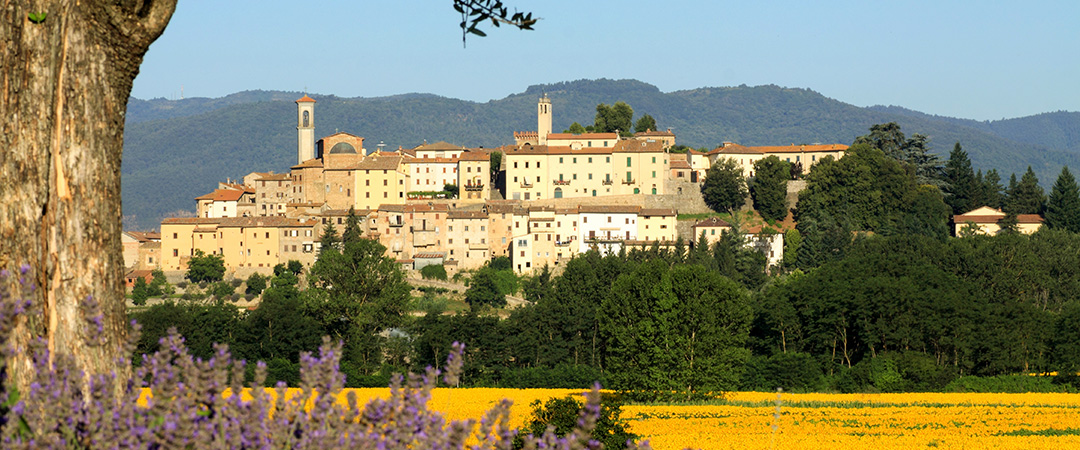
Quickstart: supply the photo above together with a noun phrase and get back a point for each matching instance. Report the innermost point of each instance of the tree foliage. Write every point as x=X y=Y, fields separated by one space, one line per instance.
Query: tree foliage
x=617 y=117
x=1025 y=196
x=203 y=267
x=769 y=187
x=1063 y=209
x=645 y=123
x=962 y=189
x=724 y=188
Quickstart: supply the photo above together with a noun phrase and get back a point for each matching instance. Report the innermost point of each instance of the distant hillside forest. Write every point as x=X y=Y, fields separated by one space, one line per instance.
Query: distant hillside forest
x=176 y=150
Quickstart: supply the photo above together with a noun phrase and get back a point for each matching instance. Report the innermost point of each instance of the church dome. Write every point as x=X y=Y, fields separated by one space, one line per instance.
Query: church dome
x=342 y=147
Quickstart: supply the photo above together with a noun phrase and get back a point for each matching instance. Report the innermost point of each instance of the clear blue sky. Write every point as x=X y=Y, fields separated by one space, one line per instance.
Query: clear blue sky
x=970 y=59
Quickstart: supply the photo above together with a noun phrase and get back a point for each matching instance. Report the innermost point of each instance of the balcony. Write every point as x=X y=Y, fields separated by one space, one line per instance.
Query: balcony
x=606 y=182
x=526 y=184
x=561 y=182
x=630 y=181
x=474 y=187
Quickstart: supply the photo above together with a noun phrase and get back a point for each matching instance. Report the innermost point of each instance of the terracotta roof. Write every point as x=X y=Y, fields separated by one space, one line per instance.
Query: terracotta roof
x=313 y=162
x=441 y=145
x=663 y=212
x=525 y=134
x=474 y=155
x=741 y=149
x=378 y=163
x=345 y=212
x=434 y=207
x=571 y=136
x=1020 y=218
x=139 y=274
x=713 y=222
x=759 y=228
x=339 y=133
x=609 y=209
x=305 y=98
x=438 y=160
x=566 y=210
x=502 y=206
x=189 y=220
x=541 y=208
x=392 y=207
x=557 y=150
x=467 y=215
x=404 y=261
x=144 y=236
x=638 y=146
x=276 y=177
x=223 y=195
x=265 y=221
x=679 y=164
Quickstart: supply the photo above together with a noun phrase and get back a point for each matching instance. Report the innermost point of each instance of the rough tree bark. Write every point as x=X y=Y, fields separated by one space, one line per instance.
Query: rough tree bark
x=64 y=87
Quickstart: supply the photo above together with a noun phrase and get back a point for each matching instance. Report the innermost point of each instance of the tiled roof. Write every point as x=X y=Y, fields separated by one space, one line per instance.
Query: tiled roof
x=638 y=146
x=441 y=145
x=525 y=135
x=418 y=160
x=189 y=220
x=571 y=136
x=475 y=155
x=392 y=207
x=379 y=163
x=145 y=236
x=265 y=222
x=742 y=150
x=304 y=99
x=502 y=206
x=467 y=215
x=139 y=274
x=421 y=207
x=344 y=212
x=679 y=164
x=664 y=212
x=1020 y=218
x=609 y=209
x=313 y=162
x=713 y=222
x=276 y=177
x=557 y=150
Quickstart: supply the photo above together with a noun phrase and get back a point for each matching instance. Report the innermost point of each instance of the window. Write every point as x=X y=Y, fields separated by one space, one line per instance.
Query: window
x=515 y=164
x=384 y=183
x=175 y=252
x=590 y=176
x=575 y=160
x=526 y=164
x=654 y=175
x=654 y=160
x=174 y=235
x=483 y=228
x=268 y=235
x=607 y=159
x=560 y=160
x=627 y=161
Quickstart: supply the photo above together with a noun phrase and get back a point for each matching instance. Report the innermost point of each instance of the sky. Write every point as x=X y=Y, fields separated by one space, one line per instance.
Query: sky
x=982 y=60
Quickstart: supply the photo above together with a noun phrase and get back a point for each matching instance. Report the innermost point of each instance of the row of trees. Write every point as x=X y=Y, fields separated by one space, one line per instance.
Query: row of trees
x=615 y=118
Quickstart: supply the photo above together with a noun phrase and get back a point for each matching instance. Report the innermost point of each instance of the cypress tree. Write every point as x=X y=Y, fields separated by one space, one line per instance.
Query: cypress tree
x=352 y=227
x=1063 y=210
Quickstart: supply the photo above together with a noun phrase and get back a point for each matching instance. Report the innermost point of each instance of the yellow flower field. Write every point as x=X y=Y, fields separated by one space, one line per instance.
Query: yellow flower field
x=816 y=421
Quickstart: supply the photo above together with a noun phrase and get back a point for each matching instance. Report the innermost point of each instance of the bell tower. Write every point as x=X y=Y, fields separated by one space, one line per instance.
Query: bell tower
x=543 y=119
x=305 y=129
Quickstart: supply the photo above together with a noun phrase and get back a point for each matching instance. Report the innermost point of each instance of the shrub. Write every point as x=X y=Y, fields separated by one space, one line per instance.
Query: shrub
x=1013 y=384
x=562 y=416
x=434 y=272
x=235 y=296
x=249 y=297
x=140 y=292
x=255 y=284
x=236 y=282
x=222 y=290
x=182 y=285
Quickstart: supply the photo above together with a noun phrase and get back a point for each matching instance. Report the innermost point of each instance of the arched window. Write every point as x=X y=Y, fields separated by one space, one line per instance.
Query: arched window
x=307 y=118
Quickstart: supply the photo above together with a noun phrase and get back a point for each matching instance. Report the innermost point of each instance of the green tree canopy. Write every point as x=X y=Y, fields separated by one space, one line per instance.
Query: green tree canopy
x=1063 y=209
x=724 y=188
x=1026 y=196
x=576 y=128
x=203 y=267
x=769 y=188
x=645 y=123
x=618 y=117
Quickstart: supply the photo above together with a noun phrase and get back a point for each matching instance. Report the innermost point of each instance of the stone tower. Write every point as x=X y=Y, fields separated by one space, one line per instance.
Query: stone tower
x=305 y=129
x=543 y=119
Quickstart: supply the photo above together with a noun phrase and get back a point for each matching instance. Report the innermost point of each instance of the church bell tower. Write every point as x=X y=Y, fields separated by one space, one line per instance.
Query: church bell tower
x=305 y=129
x=543 y=119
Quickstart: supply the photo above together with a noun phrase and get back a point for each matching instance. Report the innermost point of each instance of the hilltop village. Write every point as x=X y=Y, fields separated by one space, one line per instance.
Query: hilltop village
x=551 y=196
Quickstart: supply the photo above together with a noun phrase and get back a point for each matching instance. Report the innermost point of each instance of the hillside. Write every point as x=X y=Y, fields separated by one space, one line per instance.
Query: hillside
x=178 y=149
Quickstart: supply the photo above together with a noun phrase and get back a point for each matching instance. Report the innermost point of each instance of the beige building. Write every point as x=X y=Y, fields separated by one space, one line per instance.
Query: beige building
x=987 y=220
x=380 y=180
x=657 y=225
x=431 y=174
x=273 y=192
x=474 y=176
x=713 y=227
x=467 y=238
x=243 y=242
x=666 y=138
x=629 y=167
x=142 y=249
x=804 y=155
x=229 y=202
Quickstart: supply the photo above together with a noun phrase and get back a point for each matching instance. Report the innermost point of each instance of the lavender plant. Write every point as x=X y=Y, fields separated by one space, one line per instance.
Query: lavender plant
x=196 y=404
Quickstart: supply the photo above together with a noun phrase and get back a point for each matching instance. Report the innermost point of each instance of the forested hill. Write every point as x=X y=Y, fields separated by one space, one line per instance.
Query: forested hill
x=178 y=149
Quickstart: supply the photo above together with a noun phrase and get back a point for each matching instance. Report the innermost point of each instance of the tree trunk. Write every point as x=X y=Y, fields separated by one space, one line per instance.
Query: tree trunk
x=64 y=86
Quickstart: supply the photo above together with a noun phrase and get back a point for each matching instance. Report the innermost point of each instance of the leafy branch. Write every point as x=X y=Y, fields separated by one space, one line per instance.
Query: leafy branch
x=476 y=12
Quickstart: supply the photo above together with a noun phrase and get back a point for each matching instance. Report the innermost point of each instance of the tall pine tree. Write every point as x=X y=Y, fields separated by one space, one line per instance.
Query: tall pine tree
x=962 y=190
x=352 y=227
x=1025 y=197
x=1063 y=210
